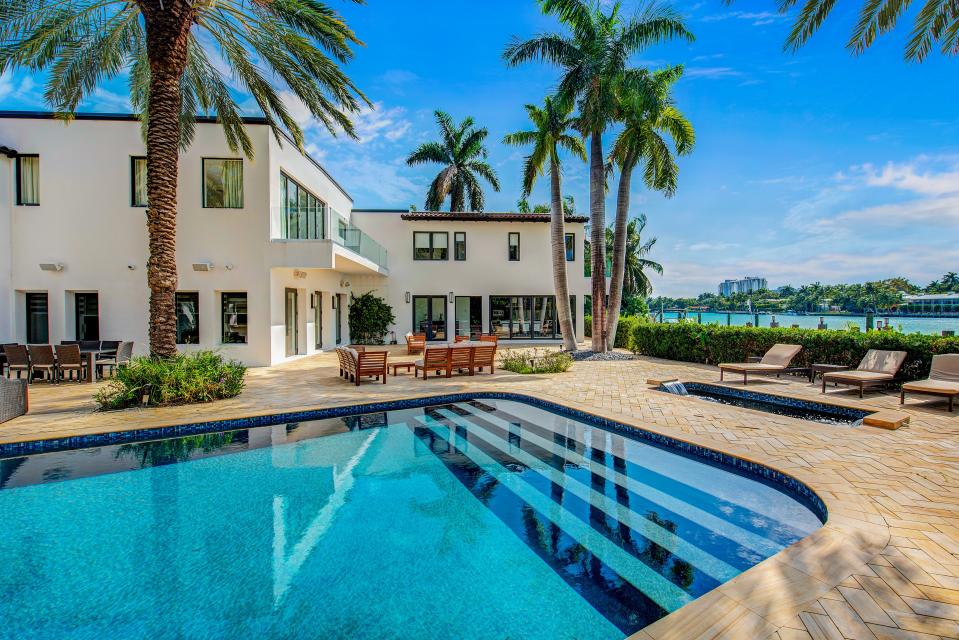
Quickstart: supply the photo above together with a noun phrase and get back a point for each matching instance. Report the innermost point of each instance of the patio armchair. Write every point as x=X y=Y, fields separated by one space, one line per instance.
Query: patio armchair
x=877 y=368
x=489 y=337
x=461 y=359
x=415 y=342
x=943 y=380
x=90 y=345
x=3 y=356
x=18 y=359
x=370 y=364
x=109 y=347
x=69 y=360
x=434 y=359
x=14 y=398
x=122 y=357
x=461 y=339
x=42 y=360
x=775 y=362
x=347 y=363
x=484 y=356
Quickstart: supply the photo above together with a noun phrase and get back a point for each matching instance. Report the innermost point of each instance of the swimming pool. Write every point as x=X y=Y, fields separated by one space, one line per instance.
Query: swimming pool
x=475 y=517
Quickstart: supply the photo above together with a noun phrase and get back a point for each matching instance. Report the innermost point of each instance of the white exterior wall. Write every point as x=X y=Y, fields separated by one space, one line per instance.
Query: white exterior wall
x=486 y=271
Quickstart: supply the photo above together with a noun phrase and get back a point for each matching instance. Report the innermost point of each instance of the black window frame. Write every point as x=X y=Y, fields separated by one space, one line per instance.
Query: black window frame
x=133 y=181
x=176 y=311
x=20 y=202
x=319 y=208
x=223 y=325
x=80 y=315
x=432 y=249
x=456 y=246
x=33 y=339
x=203 y=182
x=509 y=246
x=569 y=240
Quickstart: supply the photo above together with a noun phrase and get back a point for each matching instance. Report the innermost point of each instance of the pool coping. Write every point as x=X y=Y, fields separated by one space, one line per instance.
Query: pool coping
x=753 y=604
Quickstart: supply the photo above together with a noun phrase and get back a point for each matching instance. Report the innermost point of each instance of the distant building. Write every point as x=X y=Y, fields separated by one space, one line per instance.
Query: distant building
x=749 y=284
x=931 y=303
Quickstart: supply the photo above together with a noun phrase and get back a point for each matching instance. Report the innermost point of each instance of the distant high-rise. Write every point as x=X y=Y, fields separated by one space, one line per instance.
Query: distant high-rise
x=749 y=284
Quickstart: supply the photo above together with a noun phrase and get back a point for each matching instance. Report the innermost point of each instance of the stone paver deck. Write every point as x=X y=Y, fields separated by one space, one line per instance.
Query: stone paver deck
x=884 y=567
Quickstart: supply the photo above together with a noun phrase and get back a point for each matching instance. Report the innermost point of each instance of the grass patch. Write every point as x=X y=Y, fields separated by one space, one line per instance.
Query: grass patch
x=535 y=361
x=202 y=376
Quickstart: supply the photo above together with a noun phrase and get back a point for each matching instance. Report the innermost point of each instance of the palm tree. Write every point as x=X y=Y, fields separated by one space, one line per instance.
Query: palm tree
x=593 y=59
x=648 y=116
x=636 y=282
x=165 y=46
x=463 y=156
x=551 y=131
x=936 y=23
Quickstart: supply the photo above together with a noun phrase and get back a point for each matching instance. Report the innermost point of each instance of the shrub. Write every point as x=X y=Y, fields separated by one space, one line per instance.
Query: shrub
x=690 y=342
x=535 y=361
x=201 y=376
x=624 y=330
x=369 y=318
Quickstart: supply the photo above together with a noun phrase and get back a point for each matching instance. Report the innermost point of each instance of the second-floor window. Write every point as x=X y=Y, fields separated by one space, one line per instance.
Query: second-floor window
x=513 y=246
x=431 y=245
x=570 y=247
x=222 y=183
x=302 y=215
x=28 y=180
x=138 y=181
x=459 y=245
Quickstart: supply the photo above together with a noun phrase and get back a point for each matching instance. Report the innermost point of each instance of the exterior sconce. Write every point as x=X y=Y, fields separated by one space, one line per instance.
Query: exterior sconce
x=451 y=297
x=51 y=266
x=407 y=297
x=202 y=266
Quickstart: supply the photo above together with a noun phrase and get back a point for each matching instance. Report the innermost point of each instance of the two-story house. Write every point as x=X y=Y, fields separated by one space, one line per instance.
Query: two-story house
x=269 y=249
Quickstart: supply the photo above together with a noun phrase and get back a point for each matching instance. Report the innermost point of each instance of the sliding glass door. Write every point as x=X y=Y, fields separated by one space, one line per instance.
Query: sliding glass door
x=524 y=317
x=429 y=316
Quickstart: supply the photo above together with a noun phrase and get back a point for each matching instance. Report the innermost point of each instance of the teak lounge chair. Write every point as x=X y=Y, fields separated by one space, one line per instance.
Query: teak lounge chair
x=877 y=368
x=943 y=379
x=775 y=362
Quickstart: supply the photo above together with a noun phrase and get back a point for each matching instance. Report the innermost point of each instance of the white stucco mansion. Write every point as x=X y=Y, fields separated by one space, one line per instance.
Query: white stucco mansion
x=268 y=249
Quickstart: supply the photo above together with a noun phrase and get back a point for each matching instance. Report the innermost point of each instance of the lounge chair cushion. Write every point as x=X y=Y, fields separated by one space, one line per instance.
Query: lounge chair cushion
x=750 y=366
x=945 y=367
x=940 y=387
x=857 y=376
x=882 y=361
x=355 y=353
x=780 y=355
x=418 y=363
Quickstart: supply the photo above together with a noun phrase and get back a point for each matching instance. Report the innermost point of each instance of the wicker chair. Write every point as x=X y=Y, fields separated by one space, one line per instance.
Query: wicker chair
x=18 y=359
x=434 y=359
x=14 y=399
x=42 y=360
x=109 y=347
x=69 y=360
x=484 y=356
x=122 y=356
x=3 y=356
x=90 y=345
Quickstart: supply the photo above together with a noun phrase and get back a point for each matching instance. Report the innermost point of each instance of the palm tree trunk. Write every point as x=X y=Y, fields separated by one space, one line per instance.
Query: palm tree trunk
x=597 y=221
x=619 y=250
x=557 y=228
x=167 y=28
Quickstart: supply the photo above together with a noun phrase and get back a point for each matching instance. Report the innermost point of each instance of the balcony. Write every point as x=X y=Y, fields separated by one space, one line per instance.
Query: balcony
x=302 y=238
x=354 y=239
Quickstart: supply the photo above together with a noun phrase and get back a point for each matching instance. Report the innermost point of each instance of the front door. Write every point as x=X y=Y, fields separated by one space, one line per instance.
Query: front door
x=291 y=323
x=318 y=319
x=429 y=316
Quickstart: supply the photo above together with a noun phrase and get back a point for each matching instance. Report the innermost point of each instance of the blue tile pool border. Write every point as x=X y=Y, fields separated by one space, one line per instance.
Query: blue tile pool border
x=753 y=470
x=850 y=413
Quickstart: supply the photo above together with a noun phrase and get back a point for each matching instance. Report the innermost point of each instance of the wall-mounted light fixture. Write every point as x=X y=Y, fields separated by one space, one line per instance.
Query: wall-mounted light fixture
x=345 y=284
x=300 y=275
x=203 y=266
x=132 y=267
x=407 y=297
x=51 y=266
x=229 y=266
x=451 y=297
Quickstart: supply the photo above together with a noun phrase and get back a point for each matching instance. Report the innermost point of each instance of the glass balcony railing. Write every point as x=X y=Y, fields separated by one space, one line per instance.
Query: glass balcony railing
x=358 y=242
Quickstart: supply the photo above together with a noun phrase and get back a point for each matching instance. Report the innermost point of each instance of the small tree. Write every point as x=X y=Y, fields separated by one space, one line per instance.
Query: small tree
x=370 y=318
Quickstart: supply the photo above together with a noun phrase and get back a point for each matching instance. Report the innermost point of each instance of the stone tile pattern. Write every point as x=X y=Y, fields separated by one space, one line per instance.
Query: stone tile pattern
x=885 y=566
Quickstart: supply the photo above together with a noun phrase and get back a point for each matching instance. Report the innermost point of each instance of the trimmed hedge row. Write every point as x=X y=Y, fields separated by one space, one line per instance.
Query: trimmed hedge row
x=624 y=330
x=712 y=344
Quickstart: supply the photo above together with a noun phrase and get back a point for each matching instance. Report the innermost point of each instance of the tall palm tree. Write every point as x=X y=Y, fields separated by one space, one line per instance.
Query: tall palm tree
x=636 y=281
x=594 y=58
x=649 y=116
x=463 y=155
x=552 y=124
x=166 y=45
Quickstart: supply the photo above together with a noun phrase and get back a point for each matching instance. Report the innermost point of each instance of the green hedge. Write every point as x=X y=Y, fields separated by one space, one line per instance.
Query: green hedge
x=690 y=342
x=624 y=330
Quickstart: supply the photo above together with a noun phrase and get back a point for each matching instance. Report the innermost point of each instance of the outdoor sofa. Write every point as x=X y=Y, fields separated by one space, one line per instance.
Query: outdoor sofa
x=357 y=363
x=943 y=379
x=13 y=398
x=877 y=368
x=775 y=362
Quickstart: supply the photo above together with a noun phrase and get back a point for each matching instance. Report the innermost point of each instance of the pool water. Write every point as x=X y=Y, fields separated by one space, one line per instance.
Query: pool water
x=474 y=519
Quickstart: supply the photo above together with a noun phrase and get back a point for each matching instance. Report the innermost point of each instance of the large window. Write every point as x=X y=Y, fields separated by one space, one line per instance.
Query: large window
x=222 y=183
x=459 y=245
x=28 y=180
x=431 y=245
x=38 y=328
x=570 y=247
x=86 y=310
x=234 y=318
x=527 y=317
x=138 y=181
x=187 y=317
x=468 y=315
x=513 y=246
x=302 y=215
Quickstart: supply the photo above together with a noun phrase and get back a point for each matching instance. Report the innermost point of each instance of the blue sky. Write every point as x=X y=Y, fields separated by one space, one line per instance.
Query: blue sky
x=809 y=166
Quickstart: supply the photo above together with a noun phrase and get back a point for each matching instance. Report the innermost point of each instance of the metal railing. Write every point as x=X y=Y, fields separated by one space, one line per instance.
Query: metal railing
x=354 y=239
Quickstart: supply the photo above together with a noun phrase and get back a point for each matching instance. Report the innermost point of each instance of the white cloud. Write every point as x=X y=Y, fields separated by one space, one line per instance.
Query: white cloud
x=924 y=175
x=384 y=179
x=399 y=77
x=757 y=18
x=24 y=90
x=712 y=73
